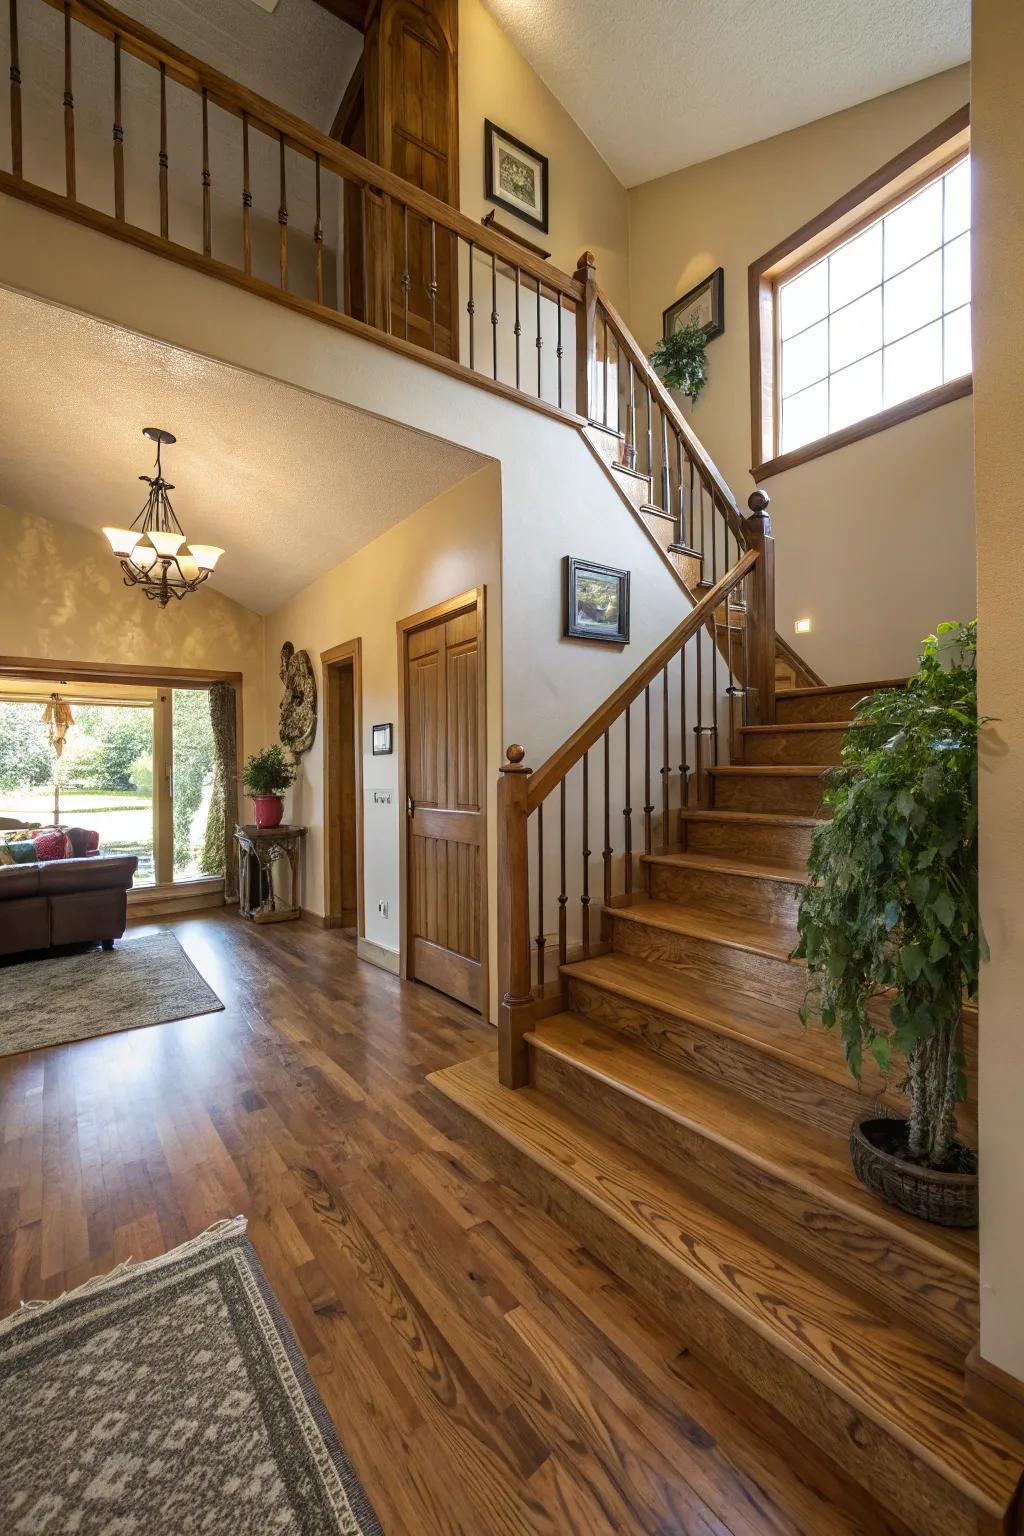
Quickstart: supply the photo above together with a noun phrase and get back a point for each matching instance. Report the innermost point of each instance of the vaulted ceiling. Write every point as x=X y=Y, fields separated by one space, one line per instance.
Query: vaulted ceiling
x=287 y=482
x=667 y=83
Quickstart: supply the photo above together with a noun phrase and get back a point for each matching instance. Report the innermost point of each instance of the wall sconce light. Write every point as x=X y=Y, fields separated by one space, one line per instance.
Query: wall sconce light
x=802 y=627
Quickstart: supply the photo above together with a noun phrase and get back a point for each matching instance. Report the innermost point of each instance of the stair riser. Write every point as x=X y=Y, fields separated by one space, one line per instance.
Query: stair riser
x=791 y=747
x=663 y=528
x=893 y=1473
x=759 y=1074
x=636 y=487
x=837 y=705
x=782 y=794
x=747 y=896
x=689 y=568
x=918 y=1284
x=776 y=981
x=764 y=844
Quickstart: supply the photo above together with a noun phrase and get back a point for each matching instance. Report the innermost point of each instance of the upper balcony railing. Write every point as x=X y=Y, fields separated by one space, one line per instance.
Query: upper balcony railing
x=120 y=130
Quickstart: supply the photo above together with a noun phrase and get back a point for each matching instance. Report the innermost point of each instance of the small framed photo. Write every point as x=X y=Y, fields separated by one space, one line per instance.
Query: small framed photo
x=515 y=176
x=596 y=602
x=383 y=737
x=703 y=305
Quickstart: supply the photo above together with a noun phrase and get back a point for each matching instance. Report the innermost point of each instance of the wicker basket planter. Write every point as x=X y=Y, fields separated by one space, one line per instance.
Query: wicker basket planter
x=948 y=1199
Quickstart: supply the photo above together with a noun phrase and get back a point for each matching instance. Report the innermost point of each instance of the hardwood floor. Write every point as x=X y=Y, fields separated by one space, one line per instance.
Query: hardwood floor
x=486 y=1374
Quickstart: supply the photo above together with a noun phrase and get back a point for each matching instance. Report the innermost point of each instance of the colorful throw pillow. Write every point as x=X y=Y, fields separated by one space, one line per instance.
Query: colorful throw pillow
x=18 y=853
x=83 y=841
x=19 y=834
x=52 y=845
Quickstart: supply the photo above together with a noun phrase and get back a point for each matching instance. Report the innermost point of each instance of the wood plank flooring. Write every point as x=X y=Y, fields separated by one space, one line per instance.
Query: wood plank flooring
x=487 y=1375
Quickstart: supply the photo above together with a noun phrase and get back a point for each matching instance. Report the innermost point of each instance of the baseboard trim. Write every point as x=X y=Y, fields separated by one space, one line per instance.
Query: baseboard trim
x=316 y=919
x=379 y=955
x=148 y=905
x=994 y=1393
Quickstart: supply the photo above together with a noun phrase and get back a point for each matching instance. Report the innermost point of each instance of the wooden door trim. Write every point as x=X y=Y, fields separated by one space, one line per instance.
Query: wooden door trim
x=348 y=653
x=465 y=602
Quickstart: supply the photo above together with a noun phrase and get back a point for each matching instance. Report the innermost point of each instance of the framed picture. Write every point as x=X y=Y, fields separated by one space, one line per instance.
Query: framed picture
x=383 y=740
x=515 y=176
x=703 y=305
x=596 y=602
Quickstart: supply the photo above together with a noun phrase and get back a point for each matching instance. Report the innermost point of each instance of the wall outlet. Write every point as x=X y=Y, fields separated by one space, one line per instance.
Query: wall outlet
x=382 y=908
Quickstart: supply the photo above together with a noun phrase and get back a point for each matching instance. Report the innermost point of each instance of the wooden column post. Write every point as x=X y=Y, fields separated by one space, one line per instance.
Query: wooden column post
x=586 y=333
x=516 y=1011
x=761 y=613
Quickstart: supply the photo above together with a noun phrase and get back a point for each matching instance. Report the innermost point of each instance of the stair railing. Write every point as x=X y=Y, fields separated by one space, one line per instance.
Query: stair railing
x=202 y=171
x=670 y=720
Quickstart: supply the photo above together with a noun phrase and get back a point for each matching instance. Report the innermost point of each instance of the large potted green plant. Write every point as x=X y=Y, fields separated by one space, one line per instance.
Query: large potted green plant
x=265 y=775
x=888 y=920
x=681 y=359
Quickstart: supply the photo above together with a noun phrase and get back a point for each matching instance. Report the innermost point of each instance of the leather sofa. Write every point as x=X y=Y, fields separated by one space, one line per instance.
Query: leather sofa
x=64 y=901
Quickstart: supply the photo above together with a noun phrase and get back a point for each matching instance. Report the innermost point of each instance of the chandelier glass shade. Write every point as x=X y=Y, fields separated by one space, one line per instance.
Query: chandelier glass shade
x=153 y=553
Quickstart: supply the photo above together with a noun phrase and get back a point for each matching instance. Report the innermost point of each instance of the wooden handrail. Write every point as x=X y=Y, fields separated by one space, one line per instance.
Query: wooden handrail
x=713 y=476
x=544 y=780
x=194 y=75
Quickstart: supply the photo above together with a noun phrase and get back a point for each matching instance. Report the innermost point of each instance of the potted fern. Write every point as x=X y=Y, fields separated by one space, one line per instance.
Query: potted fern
x=265 y=775
x=889 y=923
x=681 y=359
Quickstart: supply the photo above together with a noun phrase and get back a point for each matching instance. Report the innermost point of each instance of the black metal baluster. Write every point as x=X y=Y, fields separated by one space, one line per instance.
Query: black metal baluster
x=494 y=313
x=162 y=159
x=698 y=547
x=698 y=730
x=517 y=328
x=207 y=194
x=318 y=240
x=684 y=766
x=118 y=134
x=562 y=897
x=632 y=411
x=714 y=632
x=559 y=351
x=627 y=817
x=69 y=108
x=246 y=199
x=470 y=309
x=17 y=160
x=540 y=898
x=665 y=765
x=585 y=896
x=607 y=855
x=604 y=387
x=282 y=220
x=648 y=807
x=666 y=477
x=433 y=286
x=650 y=437
x=407 y=275
x=540 y=346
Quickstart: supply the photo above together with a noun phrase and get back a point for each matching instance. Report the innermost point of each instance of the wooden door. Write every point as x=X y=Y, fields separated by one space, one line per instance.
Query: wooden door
x=444 y=742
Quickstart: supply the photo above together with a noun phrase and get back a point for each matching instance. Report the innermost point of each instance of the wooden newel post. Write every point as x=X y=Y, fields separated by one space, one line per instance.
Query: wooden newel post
x=514 y=979
x=761 y=614
x=586 y=333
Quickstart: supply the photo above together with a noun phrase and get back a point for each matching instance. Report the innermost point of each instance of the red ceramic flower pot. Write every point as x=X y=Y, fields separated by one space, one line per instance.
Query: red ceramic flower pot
x=267 y=810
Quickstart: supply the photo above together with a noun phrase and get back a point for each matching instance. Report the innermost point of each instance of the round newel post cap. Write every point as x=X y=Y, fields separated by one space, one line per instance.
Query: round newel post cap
x=758 y=502
x=515 y=754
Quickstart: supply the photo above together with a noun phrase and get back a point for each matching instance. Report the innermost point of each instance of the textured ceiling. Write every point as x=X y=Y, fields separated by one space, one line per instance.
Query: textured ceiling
x=667 y=83
x=287 y=482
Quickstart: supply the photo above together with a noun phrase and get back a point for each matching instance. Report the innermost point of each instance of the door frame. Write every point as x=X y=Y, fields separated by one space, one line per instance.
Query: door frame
x=466 y=602
x=348 y=654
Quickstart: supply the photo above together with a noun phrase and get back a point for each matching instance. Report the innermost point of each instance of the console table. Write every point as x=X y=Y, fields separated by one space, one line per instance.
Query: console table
x=260 y=852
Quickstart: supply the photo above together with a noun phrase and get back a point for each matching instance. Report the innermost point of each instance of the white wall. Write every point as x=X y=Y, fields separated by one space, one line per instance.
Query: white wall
x=874 y=542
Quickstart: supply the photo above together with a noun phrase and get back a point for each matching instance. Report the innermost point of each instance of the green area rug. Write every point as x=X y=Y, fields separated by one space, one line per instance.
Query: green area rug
x=145 y=980
x=170 y=1398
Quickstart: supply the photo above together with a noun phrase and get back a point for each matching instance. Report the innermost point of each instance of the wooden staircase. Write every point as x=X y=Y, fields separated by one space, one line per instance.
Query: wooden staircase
x=679 y=1119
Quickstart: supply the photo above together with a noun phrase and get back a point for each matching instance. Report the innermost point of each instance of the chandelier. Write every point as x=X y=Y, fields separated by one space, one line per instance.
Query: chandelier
x=152 y=553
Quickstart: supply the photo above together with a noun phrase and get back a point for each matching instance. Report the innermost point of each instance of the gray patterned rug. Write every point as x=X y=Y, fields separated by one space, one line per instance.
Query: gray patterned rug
x=169 y=1398
x=147 y=980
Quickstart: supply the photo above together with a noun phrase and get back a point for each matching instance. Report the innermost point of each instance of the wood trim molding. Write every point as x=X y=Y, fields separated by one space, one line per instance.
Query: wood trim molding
x=115 y=672
x=865 y=202
x=379 y=955
x=348 y=653
x=475 y=598
x=994 y=1393
x=956 y=389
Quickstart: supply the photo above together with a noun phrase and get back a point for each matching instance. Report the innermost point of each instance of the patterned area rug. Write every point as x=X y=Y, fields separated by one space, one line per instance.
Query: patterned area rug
x=148 y=980
x=170 y=1399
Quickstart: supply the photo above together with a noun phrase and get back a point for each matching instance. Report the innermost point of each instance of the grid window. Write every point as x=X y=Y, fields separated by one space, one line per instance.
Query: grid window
x=882 y=318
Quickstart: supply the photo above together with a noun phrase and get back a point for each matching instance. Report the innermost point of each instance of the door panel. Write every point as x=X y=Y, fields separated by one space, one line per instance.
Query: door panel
x=445 y=869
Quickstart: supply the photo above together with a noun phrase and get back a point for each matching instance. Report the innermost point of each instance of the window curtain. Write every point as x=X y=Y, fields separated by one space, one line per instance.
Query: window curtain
x=219 y=850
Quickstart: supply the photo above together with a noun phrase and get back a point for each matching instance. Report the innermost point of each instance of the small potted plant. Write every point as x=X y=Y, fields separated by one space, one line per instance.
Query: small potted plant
x=889 y=922
x=265 y=775
x=681 y=359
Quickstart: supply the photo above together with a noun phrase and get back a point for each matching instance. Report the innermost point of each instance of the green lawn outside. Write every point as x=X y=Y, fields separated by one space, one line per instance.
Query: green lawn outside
x=123 y=819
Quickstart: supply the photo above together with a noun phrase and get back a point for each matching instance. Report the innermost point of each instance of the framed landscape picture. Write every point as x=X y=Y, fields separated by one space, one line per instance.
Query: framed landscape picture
x=596 y=602
x=703 y=305
x=515 y=176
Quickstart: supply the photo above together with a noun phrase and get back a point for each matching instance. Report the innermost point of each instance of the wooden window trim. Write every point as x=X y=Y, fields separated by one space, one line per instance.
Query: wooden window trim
x=918 y=164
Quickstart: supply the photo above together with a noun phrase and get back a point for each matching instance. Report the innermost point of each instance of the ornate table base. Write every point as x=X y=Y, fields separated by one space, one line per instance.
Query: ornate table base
x=260 y=852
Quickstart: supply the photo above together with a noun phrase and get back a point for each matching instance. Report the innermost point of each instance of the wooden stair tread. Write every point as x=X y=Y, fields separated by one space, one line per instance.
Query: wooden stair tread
x=823 y=688
x=909 y=1385
x=775 y=940
x=751 y=818
x=769 y=770
x=712 y=864
x=795 y=727
x=799 y=1153
x=719 y=1007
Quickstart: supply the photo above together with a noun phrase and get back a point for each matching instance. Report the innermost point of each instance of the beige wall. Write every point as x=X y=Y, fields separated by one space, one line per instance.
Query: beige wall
x=588 y=205
x=998 y=148
x=448 y=546
x=64 y=600
x=874 y=541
